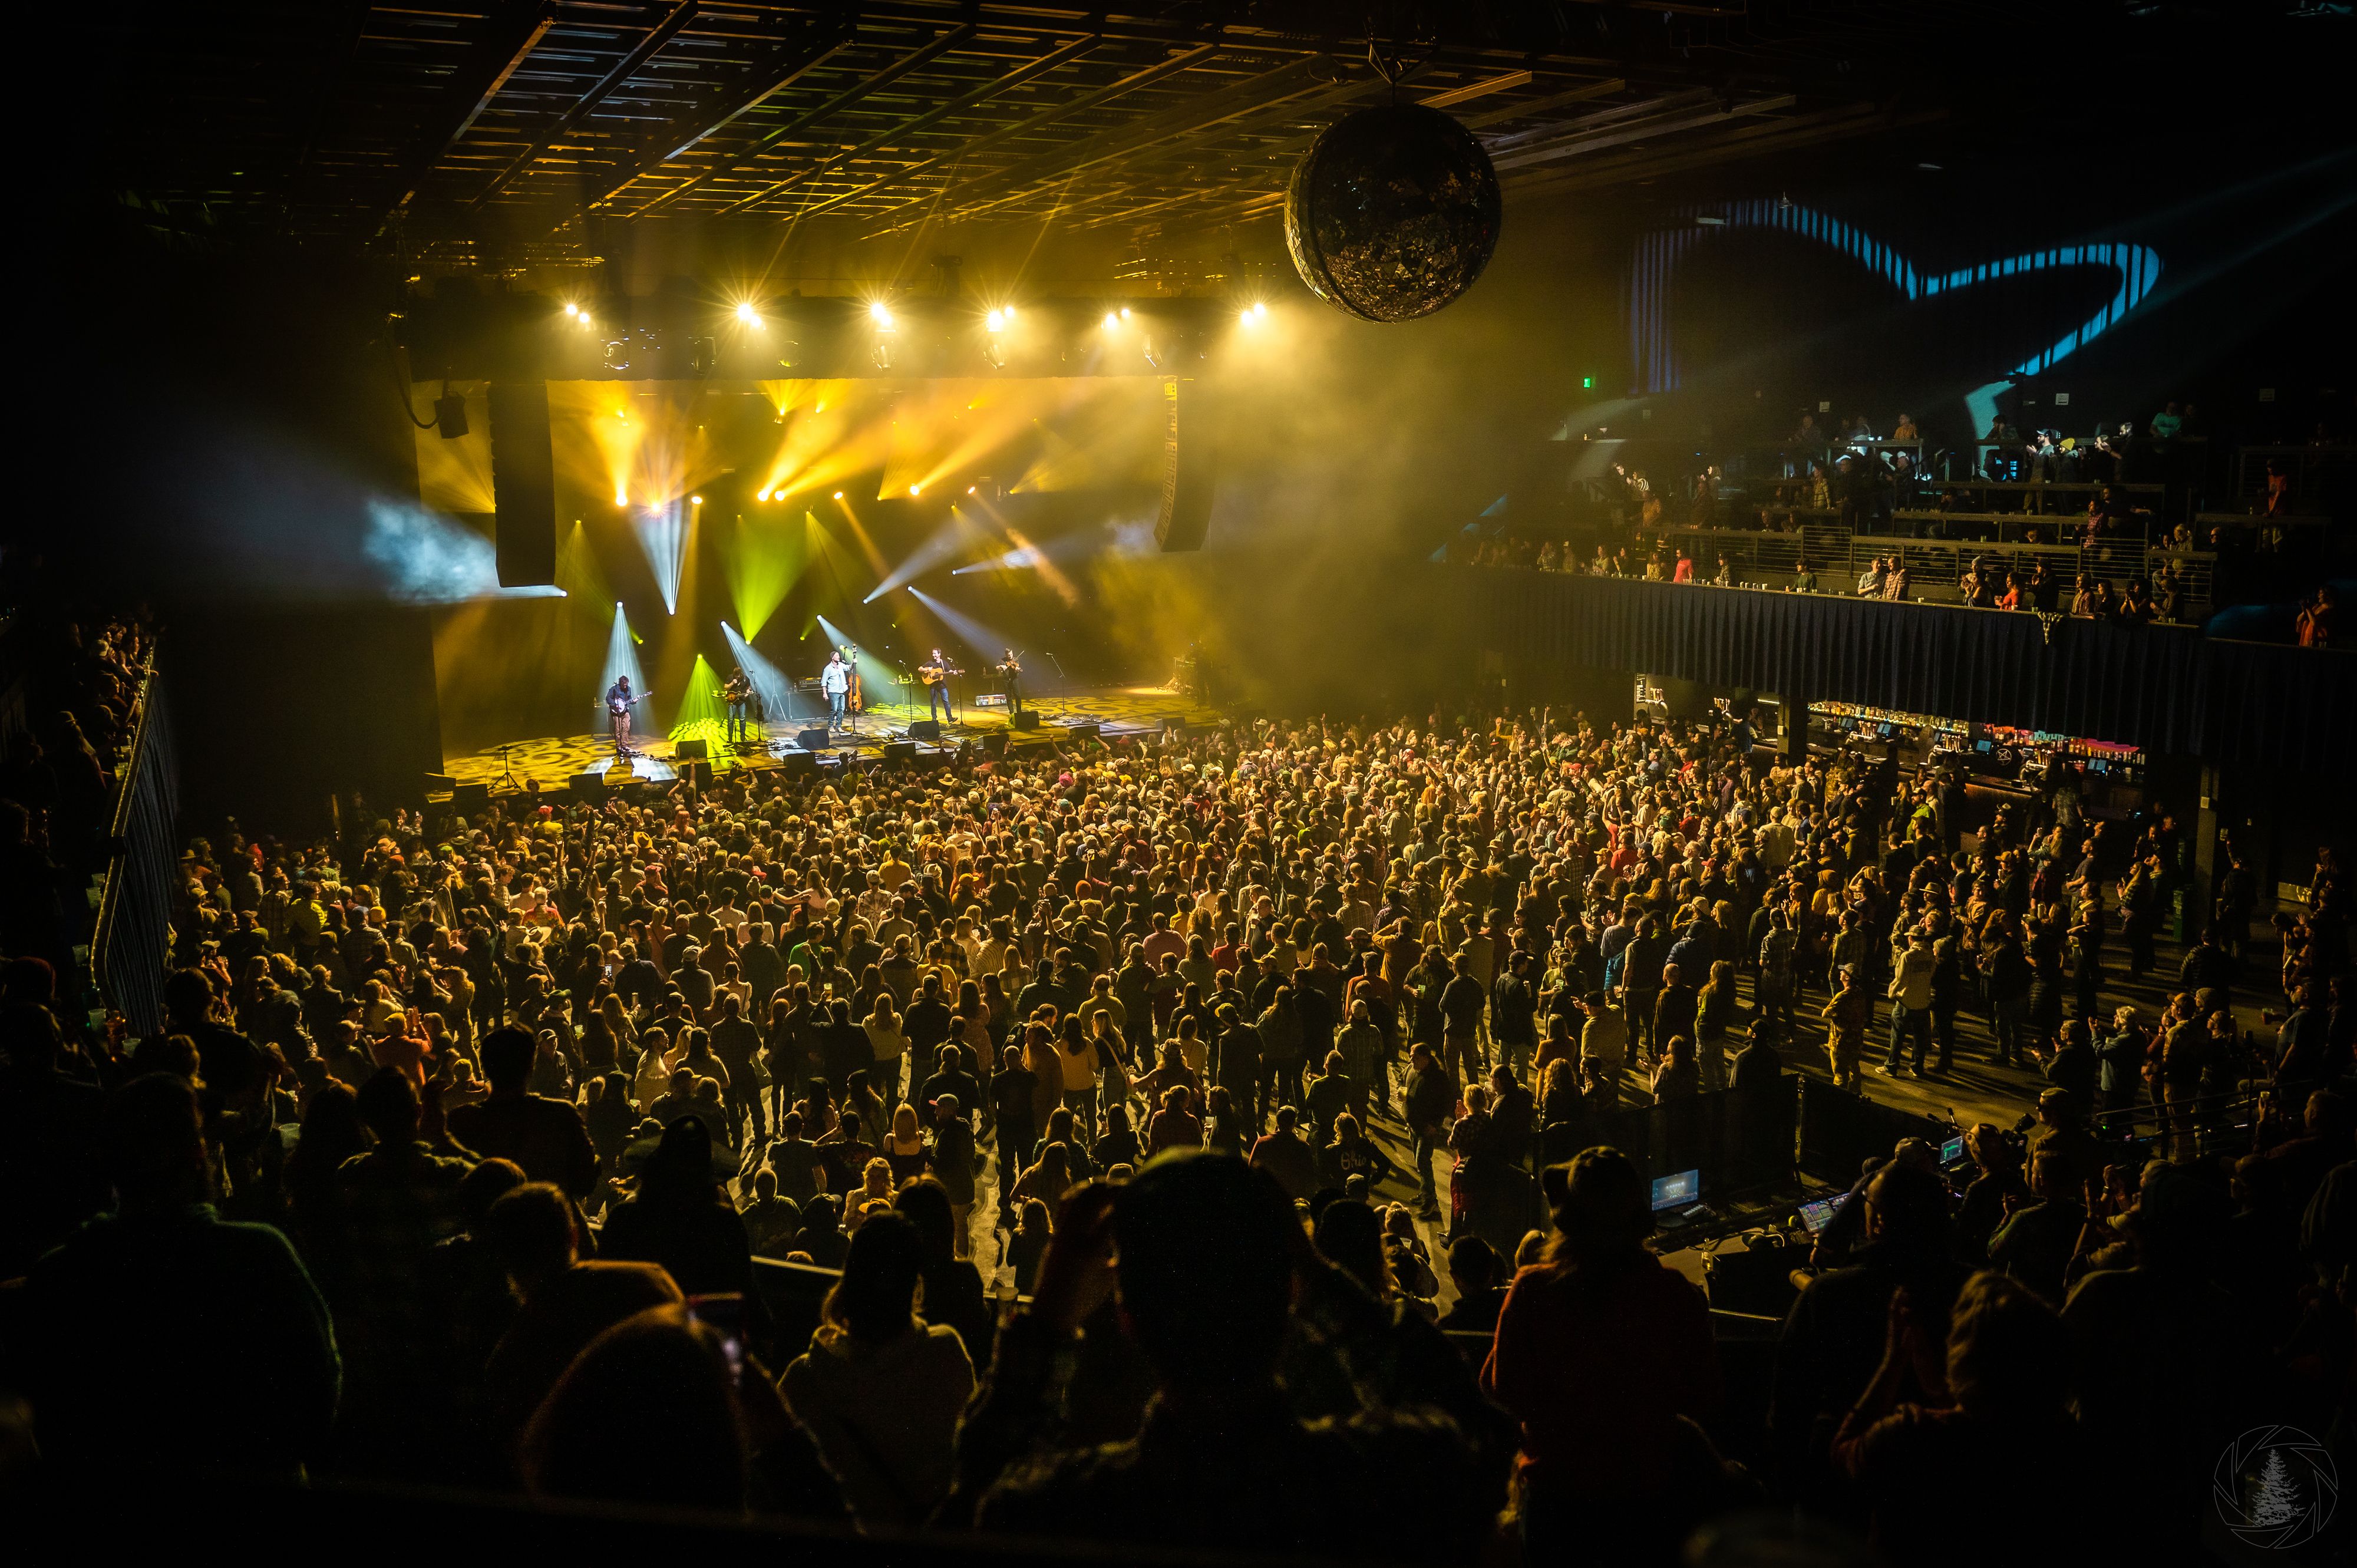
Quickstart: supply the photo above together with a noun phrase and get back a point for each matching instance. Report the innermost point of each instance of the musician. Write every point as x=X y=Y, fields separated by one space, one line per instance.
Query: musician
x=619 y=702
x=743 y=708
x=1011 y=669
x=936 y=675
x=836 y=681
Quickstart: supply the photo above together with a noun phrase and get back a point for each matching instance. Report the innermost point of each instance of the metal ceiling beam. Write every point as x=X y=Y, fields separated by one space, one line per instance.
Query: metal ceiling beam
x=727 y=162
x=631 y=64
x=1040 y=121
x=509 y=35
x=1029 y=71
x=780 y=71
x=1015 y=183
x=1638 y=130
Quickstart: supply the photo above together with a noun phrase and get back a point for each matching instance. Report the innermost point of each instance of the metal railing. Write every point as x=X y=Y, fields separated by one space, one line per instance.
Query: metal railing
x=131 y=945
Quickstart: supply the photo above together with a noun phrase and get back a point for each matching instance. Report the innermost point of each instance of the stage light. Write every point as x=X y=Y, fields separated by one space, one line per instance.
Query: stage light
x=1009 y=310
x=622 y=497
x=571 y=308
x=881 y=312
x=1125 y=313
x=696 y=500
x=838 y=494
x=585 y=318
x=1110 y=321
x=1247 y=318
x=1260 y=307
x=761 y=495
x=996 y=321
x=915 y=488
x=747 y=315
x=969 y=490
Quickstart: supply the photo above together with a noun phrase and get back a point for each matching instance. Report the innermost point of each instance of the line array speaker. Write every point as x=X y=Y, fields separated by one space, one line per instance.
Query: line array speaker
x=523 y=484
x=1189 y=469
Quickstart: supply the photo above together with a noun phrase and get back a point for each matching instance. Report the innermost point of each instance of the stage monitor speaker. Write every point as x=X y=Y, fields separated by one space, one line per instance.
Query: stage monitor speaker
x=1083 y=732
x=995 y=743
x=440 y=783
x=925 y=729
x=812 y=740
x=589 y=786
x=799 y=762
x=1190 y=467
x=689 y=751
x=1028 y=719
x=523 y=484
x=470 y=797
x=697 y=775
x=899 y=751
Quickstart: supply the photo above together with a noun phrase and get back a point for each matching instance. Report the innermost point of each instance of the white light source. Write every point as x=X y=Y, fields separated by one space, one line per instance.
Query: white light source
x=1125 y=313
x=881 y=312
x=696 y=500
x=1110 y=321
x=996 y=321
x=761 y=495
x=747 y=315
x=571 y=308
x=1260 y=307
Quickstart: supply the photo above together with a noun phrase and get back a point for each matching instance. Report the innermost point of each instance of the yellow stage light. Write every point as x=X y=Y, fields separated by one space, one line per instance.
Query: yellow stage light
x=881 y=312
x=1260 y=307
x=1008 y=311
x=914 y=489
x=696 y=500
x=571 y=308
x=621 y=498
x=1125 y=313
x=761 y=495
x=1110 y=321
x=996 y=320
x=747 y=315
x=585 y=318
x=838 y=494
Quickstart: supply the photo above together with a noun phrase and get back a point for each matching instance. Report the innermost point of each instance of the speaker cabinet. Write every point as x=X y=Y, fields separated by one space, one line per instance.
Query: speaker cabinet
x=589 y=786
x=689 y=751
x=1029 y=719
x=471 y=797
x=899 y=751
x=812 y=740
x=926 y=729
x=995 y=743
x=523 y=484
x=1189 y=469
x=1083 y=732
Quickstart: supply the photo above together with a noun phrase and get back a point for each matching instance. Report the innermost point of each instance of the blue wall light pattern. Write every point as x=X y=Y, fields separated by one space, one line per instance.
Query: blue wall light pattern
x=1660 y=252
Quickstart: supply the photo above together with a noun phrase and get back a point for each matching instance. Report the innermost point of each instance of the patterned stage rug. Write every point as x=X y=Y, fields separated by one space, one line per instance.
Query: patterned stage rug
x=553 y=761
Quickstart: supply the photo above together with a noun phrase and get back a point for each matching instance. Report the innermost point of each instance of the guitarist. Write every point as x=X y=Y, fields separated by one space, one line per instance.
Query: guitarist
x=741 y=714
x=1010 y=669
x=619 y=702
x=936 y=676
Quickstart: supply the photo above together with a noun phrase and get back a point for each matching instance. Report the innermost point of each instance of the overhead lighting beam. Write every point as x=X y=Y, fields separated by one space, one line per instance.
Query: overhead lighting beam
x=931 y=117
x=630 y=66
x=727 y=163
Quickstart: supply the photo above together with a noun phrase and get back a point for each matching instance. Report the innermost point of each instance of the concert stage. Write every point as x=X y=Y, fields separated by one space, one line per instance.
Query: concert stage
x=1116 y=711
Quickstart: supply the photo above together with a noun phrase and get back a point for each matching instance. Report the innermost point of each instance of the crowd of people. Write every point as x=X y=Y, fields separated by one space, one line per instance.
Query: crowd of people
x=71 y=683
x=463 y=1137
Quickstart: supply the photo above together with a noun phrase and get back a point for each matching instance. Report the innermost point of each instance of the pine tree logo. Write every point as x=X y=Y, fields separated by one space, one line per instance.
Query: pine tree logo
x=2275 y=1488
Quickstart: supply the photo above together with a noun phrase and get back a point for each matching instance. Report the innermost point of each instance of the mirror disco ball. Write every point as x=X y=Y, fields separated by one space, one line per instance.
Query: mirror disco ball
x=1392 y=212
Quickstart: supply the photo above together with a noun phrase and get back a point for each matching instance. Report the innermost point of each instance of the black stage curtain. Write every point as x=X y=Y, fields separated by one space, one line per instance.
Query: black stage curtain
x=2166 y=689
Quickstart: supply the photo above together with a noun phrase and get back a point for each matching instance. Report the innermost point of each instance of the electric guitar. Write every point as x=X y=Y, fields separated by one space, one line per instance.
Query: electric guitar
x=620 y=706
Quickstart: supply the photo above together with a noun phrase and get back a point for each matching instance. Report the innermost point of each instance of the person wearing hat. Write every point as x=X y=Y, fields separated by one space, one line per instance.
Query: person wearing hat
x=1910 y=1001
x=1846 y=1017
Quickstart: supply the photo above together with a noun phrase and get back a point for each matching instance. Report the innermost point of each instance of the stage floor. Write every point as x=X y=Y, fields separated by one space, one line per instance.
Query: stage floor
x=554 y=760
